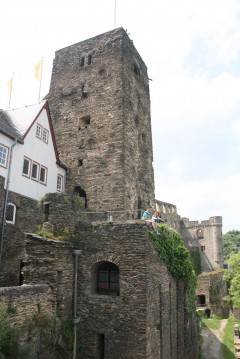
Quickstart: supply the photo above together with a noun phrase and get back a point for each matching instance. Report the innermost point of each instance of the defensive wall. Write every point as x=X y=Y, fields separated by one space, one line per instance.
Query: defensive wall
x=28 y=217
x=149 y=317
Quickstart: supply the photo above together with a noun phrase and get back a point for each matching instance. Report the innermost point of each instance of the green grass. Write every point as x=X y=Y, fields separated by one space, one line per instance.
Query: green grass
x=228 y=340
x=213 y=323
x=202 y=357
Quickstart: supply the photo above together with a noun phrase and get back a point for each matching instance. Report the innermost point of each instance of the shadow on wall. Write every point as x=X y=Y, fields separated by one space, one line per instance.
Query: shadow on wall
x=212 y=347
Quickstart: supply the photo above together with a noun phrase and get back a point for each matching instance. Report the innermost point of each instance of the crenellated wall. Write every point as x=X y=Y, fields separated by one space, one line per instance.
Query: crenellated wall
x=207 y=237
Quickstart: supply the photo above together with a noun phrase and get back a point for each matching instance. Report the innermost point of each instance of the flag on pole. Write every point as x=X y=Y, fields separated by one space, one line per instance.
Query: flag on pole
x=38 y=69
x=9 y=85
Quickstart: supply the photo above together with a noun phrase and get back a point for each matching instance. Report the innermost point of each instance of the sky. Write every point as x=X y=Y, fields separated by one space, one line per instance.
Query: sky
x=192 y=51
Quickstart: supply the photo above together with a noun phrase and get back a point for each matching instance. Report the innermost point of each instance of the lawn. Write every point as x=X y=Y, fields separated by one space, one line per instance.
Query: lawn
x=228 y=340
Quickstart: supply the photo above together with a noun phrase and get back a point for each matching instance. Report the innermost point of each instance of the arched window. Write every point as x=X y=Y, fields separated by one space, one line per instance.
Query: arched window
x=10 y=213
x=81 y=193
x=199 y=233
x=107 y=279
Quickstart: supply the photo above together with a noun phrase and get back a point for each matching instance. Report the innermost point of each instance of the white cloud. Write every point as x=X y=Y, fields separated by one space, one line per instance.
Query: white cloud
x=235 y=126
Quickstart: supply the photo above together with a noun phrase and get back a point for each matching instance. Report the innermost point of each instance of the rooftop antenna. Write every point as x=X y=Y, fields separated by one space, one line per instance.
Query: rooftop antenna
x=115 y=13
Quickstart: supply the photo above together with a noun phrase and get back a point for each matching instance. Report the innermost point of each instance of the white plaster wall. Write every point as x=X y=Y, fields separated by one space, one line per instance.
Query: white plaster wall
x=38 y=151
x=6 y=141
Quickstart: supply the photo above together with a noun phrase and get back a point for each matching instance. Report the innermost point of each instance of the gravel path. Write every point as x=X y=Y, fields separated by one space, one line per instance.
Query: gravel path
x=212 y=340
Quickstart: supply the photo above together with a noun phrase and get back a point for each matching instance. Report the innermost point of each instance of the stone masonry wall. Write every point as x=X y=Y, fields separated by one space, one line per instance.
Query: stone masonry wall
x=51 y=262
x=148 y=319
x=107 y=130
x=27 y=301
x=62 y=210
x=213 y=286
x=28 y=217
x=207 y=236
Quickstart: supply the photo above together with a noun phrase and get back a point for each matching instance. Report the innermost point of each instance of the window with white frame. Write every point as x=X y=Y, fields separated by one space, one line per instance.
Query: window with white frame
x=39 y=131
x=42 y=133
x=35 y=171
x=43 y=175
x=45 y=135
x=60 y=182
x=10 y=213
x=26 y=167
x=3 y=155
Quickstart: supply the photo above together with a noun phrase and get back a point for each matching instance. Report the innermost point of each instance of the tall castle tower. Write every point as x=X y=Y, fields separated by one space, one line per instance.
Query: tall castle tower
x=100 y=106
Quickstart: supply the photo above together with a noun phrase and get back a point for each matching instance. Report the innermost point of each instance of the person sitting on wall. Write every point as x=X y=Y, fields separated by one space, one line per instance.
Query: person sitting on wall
x=157 y=217
x=147 y=216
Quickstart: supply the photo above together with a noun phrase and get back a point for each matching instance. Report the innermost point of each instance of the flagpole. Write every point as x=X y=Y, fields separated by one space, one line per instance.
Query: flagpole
x=115 y=13
x=10 y=91
x=40 y=84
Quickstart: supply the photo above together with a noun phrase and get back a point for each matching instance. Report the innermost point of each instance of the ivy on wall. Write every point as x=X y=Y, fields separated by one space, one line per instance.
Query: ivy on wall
x=177 y=258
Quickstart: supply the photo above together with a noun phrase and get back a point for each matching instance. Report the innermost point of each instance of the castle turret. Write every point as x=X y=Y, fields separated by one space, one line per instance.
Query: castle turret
x=216 y=236
x=207 y=238
x=100 y=106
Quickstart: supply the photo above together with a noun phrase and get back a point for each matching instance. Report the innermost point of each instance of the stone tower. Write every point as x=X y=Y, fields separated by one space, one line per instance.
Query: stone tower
x=207 y=238
x=100 y=107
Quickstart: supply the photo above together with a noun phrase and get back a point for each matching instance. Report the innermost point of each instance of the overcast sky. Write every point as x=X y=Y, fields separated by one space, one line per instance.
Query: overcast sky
x=192 y=51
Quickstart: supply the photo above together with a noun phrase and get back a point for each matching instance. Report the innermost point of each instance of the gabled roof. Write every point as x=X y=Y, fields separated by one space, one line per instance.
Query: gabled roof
x=17 y=123
x=24 y=117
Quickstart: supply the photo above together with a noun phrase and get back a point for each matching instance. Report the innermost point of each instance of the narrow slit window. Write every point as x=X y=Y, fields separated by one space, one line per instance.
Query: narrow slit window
x=82 y=61
x=89 y=59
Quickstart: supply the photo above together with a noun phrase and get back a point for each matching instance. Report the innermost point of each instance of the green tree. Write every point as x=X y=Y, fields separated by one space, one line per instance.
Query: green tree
x=231 y=243
x=232 y=275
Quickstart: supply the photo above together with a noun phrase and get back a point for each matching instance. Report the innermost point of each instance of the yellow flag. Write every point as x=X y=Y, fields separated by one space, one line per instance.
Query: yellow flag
x=38 y=70
x=10 y=84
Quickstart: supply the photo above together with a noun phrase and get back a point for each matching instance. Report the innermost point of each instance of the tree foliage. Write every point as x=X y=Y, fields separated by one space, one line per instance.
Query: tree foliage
x=232 y=275
x=231 y=243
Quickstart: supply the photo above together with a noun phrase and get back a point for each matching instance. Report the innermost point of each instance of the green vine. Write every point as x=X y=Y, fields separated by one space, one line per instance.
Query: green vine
x=68 y=333
x=196 y=259
x=177 y=258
